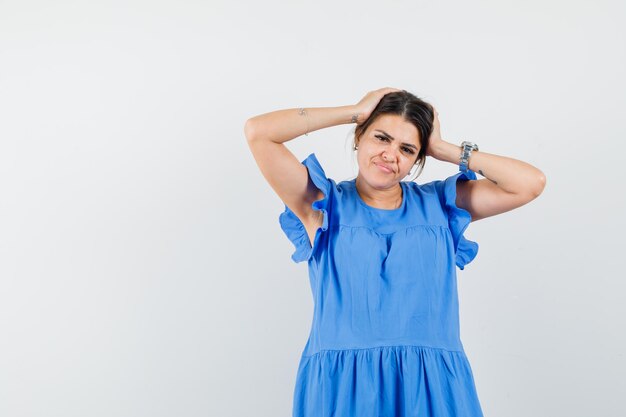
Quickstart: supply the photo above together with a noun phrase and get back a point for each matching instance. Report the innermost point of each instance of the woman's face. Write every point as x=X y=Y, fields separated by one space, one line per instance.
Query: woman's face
x=389 y=141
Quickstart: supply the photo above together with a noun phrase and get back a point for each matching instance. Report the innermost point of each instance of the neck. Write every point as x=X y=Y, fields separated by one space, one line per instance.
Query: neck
x=386 y=198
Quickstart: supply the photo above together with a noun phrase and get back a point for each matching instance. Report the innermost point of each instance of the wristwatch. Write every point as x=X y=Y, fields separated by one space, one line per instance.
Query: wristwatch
x=467 y=148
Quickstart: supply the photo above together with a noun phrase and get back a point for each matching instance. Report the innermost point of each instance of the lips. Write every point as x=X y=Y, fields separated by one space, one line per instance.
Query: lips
x=384 y=168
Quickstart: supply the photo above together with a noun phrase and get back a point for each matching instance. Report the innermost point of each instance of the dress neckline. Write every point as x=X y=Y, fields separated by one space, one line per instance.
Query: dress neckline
x=382 y=210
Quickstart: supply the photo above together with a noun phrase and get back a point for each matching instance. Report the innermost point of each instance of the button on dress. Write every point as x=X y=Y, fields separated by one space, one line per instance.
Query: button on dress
x=384 y=340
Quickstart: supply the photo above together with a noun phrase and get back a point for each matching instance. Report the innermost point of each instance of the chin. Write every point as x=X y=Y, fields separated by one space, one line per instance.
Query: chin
x=381 y=181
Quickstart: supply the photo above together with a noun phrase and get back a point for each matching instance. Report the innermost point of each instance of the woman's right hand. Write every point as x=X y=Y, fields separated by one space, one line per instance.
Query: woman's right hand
x=366 y=106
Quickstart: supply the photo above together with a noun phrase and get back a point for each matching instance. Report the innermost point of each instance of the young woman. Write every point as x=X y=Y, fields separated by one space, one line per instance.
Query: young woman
x=382 y=254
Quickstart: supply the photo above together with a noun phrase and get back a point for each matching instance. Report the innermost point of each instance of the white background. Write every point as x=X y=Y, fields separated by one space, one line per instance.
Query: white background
x=143 y=271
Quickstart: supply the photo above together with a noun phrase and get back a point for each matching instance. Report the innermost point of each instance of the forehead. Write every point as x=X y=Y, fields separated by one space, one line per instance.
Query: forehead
x=397 y=127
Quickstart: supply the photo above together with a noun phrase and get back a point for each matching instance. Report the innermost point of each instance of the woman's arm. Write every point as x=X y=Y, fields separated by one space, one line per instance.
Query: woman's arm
x=284 y=125
x=509 y=183
x=287 y=176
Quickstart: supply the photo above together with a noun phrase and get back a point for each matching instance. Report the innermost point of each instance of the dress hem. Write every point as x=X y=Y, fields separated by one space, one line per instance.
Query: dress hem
x=381 y=347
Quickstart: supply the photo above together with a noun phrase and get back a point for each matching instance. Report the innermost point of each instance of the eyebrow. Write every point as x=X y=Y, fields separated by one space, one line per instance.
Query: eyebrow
x=392 y=138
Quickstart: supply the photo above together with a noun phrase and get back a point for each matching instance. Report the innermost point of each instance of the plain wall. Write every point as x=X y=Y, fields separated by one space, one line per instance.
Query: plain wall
x=143 y=271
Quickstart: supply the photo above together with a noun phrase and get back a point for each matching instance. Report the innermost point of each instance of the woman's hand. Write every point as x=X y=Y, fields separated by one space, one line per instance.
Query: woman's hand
x=434 y=140
x=366 y=106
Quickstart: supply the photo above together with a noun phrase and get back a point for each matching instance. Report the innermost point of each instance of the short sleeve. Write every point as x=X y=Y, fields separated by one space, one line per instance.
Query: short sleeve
x=458 y=218
x=292 y=225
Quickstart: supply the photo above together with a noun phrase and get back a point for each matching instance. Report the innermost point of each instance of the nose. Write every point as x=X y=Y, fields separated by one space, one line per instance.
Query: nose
x=386 y=157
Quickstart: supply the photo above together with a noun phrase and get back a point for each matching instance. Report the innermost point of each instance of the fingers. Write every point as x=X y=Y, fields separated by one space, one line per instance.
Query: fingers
x=386 y=90
x=435 y=114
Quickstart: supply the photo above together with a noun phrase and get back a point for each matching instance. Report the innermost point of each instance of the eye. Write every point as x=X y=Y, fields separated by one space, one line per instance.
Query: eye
x=406 y=149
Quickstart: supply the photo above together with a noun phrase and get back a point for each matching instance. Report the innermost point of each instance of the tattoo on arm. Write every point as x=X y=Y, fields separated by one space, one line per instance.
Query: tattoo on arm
x=481 y=173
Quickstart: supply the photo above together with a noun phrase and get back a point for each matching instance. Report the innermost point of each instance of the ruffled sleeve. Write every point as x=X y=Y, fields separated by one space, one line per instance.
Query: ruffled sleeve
x=458 y=218
x=292 y=225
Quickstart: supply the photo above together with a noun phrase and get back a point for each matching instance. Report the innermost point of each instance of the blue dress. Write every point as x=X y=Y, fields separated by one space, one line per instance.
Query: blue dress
x=385 y=340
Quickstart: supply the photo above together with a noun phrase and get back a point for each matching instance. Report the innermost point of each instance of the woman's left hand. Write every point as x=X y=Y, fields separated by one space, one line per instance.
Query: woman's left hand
x=434 y=140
